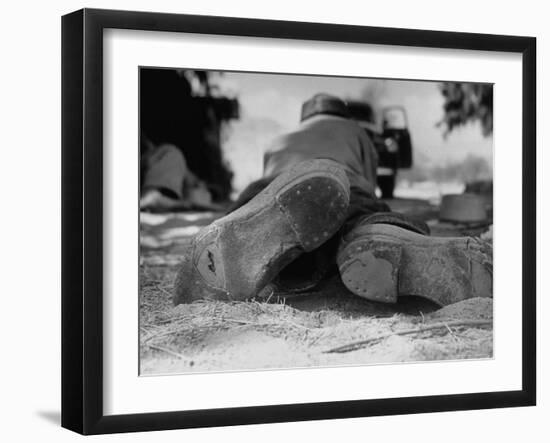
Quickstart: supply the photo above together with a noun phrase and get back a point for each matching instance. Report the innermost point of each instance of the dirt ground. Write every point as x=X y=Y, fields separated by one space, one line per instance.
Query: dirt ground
x=299 y=331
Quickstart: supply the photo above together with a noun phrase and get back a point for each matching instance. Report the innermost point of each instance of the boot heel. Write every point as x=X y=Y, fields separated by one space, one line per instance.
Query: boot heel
x=315 y=209
x=370 y=269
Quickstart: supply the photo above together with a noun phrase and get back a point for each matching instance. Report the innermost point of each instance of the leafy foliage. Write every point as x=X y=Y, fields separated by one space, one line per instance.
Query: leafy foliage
x=467 y=103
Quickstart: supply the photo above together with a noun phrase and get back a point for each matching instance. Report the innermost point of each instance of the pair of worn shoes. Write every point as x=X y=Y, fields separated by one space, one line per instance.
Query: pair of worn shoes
x=235 y=257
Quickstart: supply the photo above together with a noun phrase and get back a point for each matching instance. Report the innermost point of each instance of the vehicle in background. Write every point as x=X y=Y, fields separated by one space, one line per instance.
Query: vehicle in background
x=390 y=135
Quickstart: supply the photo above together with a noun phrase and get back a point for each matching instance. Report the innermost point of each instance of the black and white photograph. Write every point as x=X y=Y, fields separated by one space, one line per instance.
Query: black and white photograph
x=297 y=221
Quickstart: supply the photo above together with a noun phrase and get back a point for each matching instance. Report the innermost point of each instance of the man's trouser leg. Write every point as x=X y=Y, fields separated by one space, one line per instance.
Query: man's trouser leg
x=164 y=168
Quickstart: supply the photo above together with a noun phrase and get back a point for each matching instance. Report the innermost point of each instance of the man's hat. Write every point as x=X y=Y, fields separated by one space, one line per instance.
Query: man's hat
x=324 y=104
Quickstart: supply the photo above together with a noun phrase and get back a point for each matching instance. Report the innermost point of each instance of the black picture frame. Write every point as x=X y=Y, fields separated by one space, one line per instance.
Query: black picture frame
x=82 y=220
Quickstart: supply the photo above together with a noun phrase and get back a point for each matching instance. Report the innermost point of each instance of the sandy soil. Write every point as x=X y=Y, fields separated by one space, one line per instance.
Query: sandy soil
x=293 y=331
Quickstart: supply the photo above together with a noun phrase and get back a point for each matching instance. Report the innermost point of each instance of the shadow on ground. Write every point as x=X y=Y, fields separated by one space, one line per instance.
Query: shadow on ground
x=53 y=417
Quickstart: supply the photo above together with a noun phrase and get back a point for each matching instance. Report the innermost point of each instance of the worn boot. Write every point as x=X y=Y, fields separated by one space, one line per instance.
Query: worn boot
x=386 y=256
x=239 y=254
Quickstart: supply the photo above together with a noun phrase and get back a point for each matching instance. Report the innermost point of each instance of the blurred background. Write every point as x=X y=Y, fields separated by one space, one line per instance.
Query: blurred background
x=447 y=154
x=224 y=121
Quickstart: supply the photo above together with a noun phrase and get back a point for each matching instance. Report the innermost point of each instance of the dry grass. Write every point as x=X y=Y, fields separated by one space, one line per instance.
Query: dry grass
x=295 y=332
x=216 y=336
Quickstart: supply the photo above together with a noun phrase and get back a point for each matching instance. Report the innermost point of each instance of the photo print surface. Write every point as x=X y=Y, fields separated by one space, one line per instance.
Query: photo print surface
x=296 y=221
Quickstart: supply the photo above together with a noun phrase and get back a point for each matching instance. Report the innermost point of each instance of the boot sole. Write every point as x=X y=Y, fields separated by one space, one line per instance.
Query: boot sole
x=239 y=254
x=386 y=261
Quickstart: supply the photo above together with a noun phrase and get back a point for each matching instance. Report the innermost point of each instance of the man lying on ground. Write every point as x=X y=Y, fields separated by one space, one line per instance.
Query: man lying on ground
x=316 y=206
x=167 y=183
